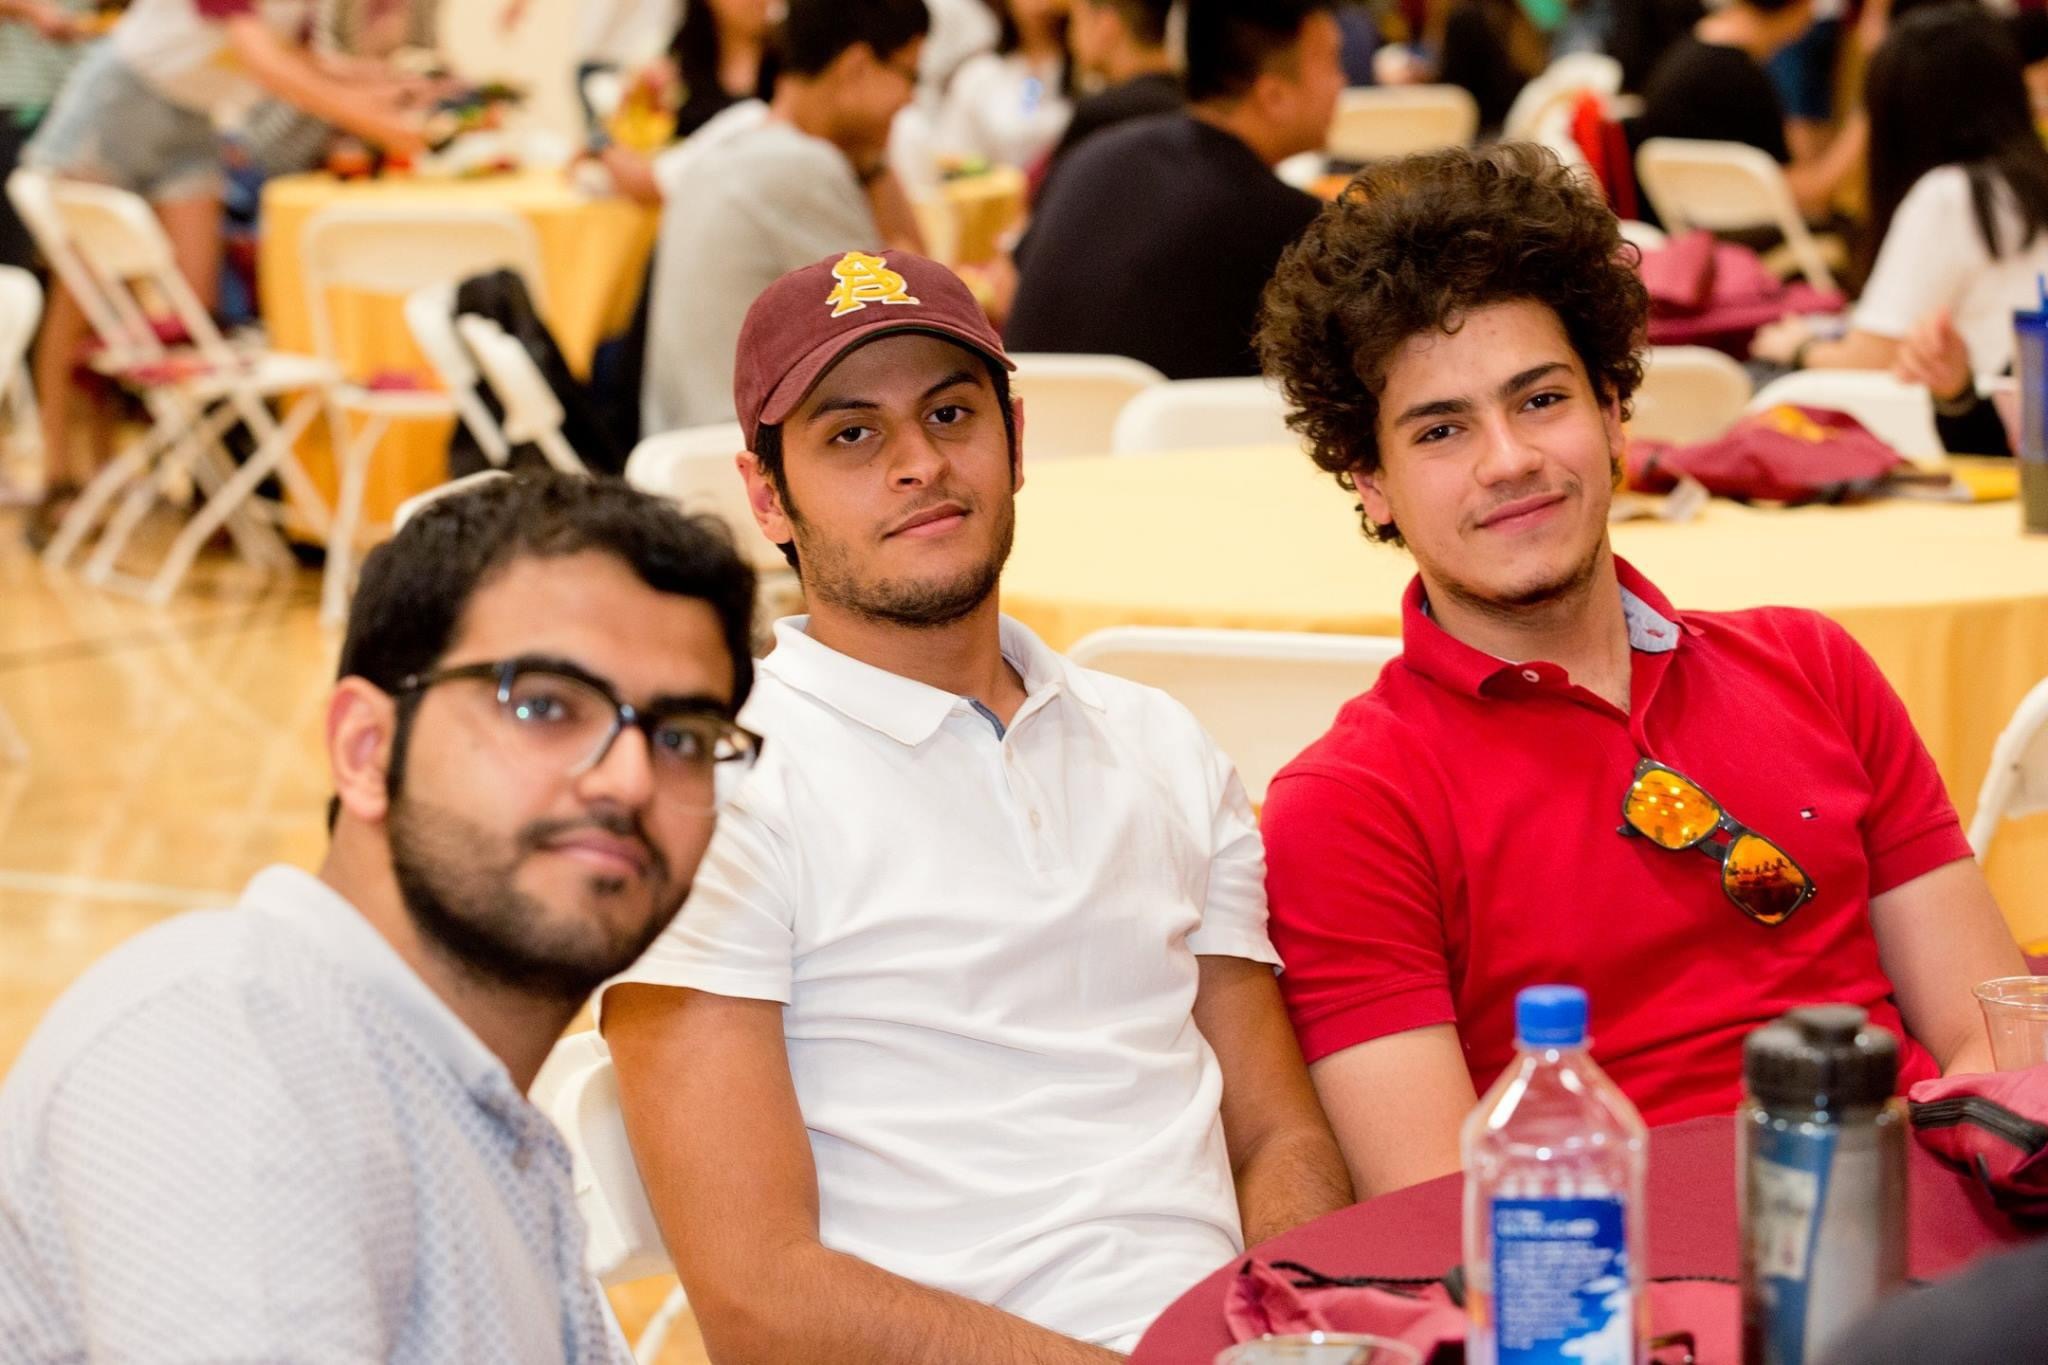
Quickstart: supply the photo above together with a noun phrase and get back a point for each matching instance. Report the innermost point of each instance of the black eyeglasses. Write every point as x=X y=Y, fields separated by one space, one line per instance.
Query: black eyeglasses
x=558 y=717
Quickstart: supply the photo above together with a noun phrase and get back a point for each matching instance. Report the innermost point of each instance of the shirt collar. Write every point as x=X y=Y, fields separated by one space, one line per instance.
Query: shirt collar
x=1654 y=627
x=908 y=711
x=317 y=912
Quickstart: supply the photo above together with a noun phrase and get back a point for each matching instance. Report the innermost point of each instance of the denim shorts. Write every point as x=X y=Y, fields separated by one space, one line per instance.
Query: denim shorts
x=108 y=125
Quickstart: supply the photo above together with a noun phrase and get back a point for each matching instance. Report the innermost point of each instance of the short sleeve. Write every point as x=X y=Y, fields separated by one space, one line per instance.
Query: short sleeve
x=735 y=935
x=1929 y=255
x=1911 y=827
x=1234 y=911
x=818 y=207
x=1356 y=912
x=202 y=1204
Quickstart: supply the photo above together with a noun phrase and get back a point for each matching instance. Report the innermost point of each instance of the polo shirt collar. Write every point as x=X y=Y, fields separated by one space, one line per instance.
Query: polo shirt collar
x=1654 y=627
x=908 y=711
x=317 y=912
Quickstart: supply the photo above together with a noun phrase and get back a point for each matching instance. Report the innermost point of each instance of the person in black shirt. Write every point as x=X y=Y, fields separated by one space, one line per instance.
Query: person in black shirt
x=1712 y=85
x=1992 y=1314
x=1160 y=235
x=1123 y=44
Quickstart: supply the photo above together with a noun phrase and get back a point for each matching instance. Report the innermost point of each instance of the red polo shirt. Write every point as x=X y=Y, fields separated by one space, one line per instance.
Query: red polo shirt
x=1453 y=838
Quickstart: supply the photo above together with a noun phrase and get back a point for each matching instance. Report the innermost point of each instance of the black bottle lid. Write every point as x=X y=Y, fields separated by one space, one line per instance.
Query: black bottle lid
x=1821 y=1057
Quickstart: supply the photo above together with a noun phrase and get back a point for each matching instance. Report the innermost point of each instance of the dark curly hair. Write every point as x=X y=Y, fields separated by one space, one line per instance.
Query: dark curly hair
x=1415 y=245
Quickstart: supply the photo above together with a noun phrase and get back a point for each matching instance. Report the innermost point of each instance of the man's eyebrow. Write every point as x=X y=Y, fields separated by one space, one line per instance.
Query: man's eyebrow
x=855 y=404
x=1452 y=407
x=675 y=703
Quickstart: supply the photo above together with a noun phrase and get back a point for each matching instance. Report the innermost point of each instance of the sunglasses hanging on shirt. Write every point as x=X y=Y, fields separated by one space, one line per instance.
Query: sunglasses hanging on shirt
x=1674 y=812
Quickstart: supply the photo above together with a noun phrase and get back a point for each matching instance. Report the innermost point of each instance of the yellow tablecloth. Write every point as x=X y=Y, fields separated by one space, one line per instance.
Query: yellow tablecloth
x=593 y=257
x=1951 y=600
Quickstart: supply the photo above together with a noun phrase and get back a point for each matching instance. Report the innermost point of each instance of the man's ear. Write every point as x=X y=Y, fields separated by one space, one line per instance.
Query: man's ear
x=1372 y=498
x=362 y=721
x=764 y=500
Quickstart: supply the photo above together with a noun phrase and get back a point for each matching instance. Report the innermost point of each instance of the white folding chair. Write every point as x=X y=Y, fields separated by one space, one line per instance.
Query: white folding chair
x=579 y=1090
x=694 y=467
x=1899 y=414
x=1688 y=393
x=2017 y=783
x=1556 y=89
x=110 y=252
x=1262 y=695
x=393 y=252
x=533 y=412
x=410 y=508
x=430 y=317
x=1192 y=414
x=1376 y=122
x=1723 y=187
x=21 y=306
x=1643 y=236
x=1071 y=402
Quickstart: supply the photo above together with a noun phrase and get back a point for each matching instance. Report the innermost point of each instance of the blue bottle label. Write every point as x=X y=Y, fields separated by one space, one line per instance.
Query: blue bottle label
x=1561 y=1283
x=1788 y=1175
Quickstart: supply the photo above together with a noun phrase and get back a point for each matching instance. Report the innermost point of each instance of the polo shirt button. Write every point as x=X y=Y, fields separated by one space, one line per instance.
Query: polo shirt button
x=1531 y=675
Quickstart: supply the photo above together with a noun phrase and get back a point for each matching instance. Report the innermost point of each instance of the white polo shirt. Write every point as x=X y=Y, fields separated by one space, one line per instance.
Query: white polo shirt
x=986 y=942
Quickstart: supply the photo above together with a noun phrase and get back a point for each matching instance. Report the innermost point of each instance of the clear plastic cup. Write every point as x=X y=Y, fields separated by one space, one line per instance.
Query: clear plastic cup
x=2016 y=1017
x=1322 y=1348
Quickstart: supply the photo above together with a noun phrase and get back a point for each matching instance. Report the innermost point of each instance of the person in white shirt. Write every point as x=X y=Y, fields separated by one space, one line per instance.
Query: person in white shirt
x=968 y=1045
x=760 y=190
x=1958 y=195
x=297 y=1130
x=1009 y=107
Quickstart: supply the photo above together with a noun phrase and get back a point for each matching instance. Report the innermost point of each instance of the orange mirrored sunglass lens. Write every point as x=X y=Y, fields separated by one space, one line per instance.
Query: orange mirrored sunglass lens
x=1668 y=810
x=1762 y=879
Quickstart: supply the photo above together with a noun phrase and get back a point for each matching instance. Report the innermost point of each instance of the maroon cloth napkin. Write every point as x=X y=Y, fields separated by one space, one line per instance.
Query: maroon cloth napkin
x=1788 y=453
x=1269 y=1299
x=1713 y=293
x=1996 y=1128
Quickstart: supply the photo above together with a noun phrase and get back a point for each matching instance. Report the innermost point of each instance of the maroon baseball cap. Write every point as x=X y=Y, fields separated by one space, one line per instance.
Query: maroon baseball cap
x=804 y=322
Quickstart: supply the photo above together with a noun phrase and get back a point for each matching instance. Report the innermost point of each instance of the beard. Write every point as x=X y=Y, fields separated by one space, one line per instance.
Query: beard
x=468 y=907
x=921 y=604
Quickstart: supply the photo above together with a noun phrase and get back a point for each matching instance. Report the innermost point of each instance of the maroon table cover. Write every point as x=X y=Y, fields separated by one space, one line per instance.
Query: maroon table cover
x=1692 y=1232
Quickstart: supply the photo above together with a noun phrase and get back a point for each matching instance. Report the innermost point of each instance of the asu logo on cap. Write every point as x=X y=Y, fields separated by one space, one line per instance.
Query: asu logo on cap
x=864 y=279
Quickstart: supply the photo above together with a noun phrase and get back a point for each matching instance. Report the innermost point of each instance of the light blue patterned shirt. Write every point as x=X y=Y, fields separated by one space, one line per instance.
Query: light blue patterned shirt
x=256 y=1135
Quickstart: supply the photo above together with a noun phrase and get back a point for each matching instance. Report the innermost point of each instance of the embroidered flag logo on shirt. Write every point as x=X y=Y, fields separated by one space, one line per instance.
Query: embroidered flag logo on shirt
x=864 y=279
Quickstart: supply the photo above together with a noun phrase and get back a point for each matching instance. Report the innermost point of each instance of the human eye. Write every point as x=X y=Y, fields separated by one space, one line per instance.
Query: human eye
x=851 y=435
x=1548 y=398
x=543 y=700
x=1442 y=431
x=690 y=740
x=951 y=414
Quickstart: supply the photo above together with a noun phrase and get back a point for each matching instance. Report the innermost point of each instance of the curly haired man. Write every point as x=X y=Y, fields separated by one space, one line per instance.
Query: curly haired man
x=1526 y=794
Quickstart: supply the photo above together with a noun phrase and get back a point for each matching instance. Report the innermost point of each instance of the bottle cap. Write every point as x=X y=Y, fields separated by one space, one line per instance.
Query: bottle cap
x=1550 y=1016
x=1821 y=1057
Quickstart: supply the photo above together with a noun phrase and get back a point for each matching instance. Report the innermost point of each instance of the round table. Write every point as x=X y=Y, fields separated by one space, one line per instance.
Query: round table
x=594 y=254
x=1693 y=1232
x=1950 y=599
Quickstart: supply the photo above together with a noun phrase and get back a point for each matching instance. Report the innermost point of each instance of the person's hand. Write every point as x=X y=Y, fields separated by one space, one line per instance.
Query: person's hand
x=1779 y=341
x=994 y=285
x=399 y=134
x=1933 y=353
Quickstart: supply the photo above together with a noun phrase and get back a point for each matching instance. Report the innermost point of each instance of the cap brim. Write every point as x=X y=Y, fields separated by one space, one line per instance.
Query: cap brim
x=794 y=387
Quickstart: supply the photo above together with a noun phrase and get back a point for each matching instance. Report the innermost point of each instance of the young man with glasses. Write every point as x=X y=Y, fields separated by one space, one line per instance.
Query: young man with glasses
x=298 y=1129
x=1703 y=818
x=968 y=1047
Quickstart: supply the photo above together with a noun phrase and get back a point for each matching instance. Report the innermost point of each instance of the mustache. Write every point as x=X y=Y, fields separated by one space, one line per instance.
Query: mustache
x=1534 y=486
x=617 y=823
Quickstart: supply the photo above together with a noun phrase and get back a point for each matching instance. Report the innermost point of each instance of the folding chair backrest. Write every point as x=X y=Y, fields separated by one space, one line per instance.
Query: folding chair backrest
x=533 y=412
x=430 y=317
x=1725 y=186
x=1380 y=121
x=394 y=252
x=1191 y=414
x=2017 y=781
x=694 y=467
x=1071 y=402
x=579 y=1090
x=1558 y=87
x=1897 y=413
x=127 y=277
x=454 y=488
x=1263 y=696
x=1688 y=394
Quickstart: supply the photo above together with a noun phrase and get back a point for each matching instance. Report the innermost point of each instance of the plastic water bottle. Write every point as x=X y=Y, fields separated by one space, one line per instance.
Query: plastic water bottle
x=1554 y=1244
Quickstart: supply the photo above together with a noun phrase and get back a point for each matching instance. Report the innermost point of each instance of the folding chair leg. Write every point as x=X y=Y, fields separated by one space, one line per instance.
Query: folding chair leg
x=132 y=463
x=227 y=499
x=559 y=453
x=654 y=1337
x=299 y=487
x=354 y=459
x=182 y=458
